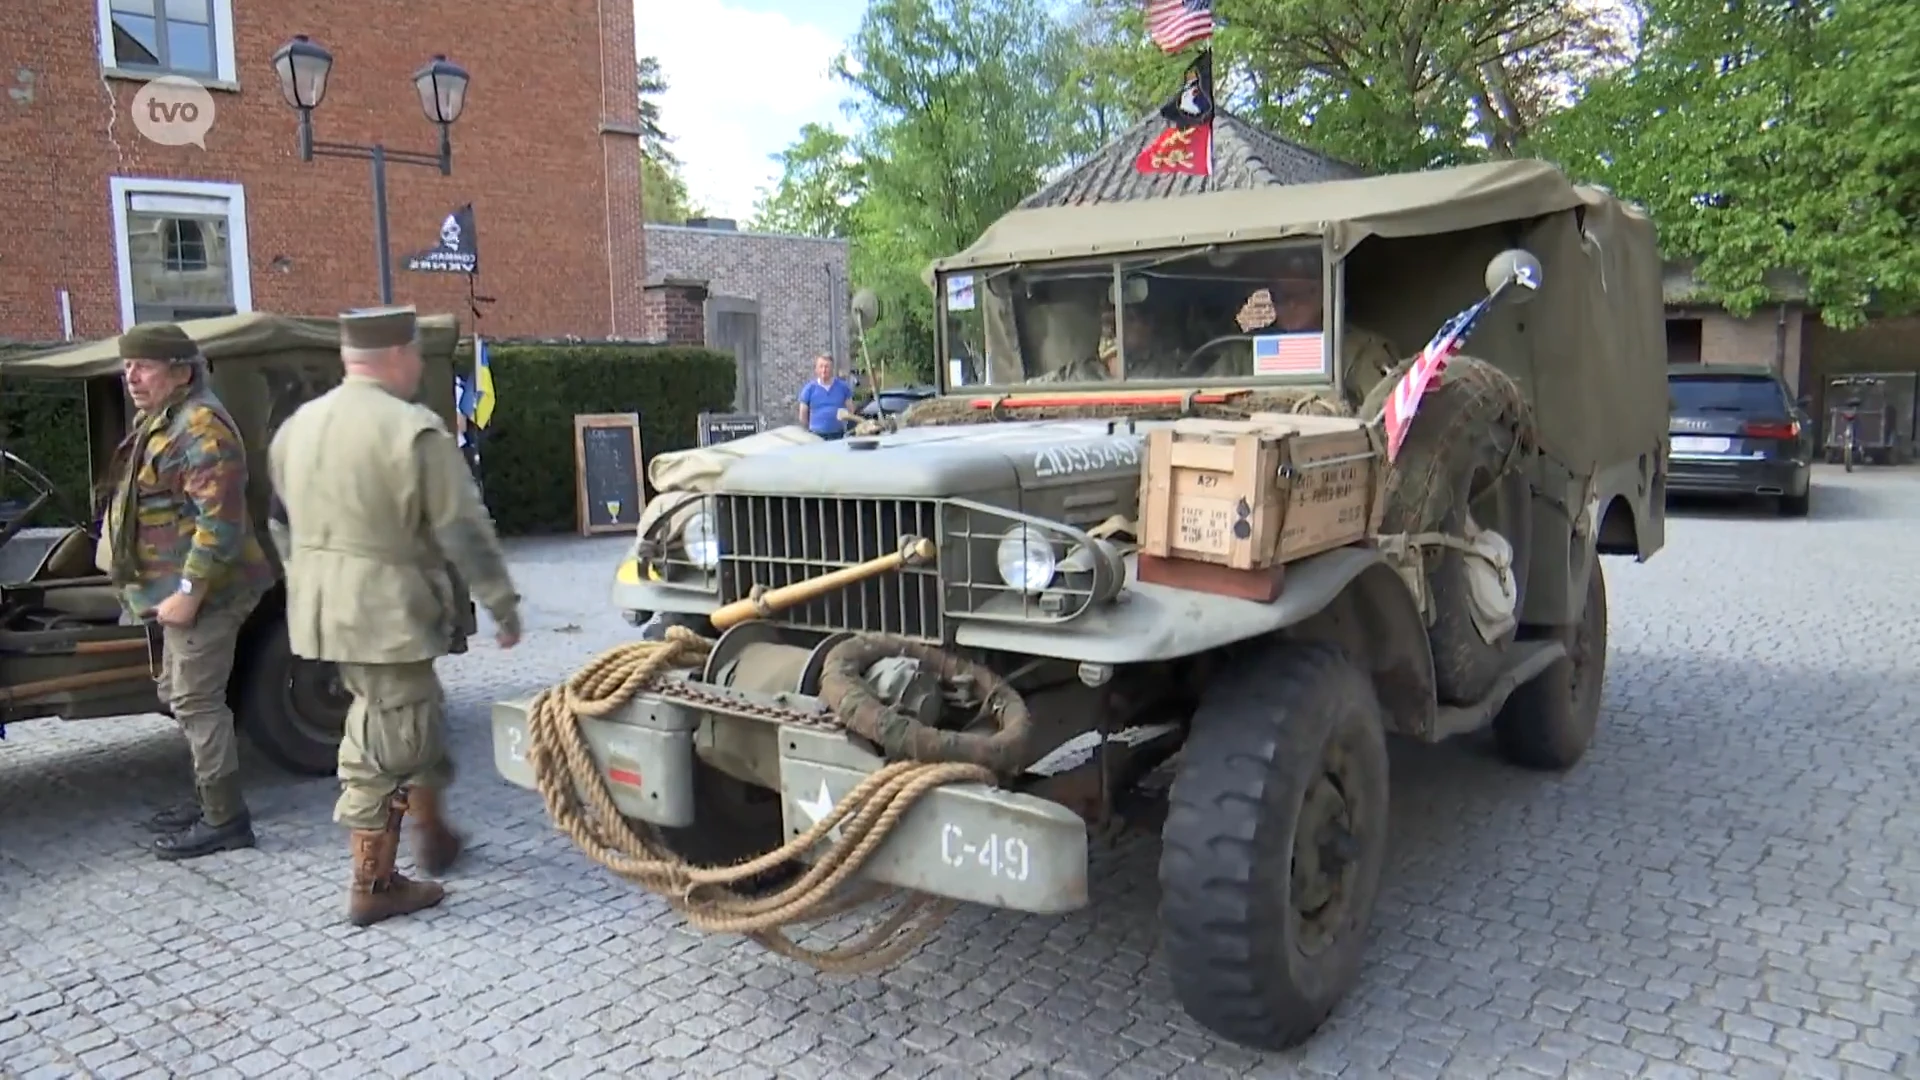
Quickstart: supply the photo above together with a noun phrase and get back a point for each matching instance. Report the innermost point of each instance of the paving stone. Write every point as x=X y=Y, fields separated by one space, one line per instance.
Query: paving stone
x=1722 y=888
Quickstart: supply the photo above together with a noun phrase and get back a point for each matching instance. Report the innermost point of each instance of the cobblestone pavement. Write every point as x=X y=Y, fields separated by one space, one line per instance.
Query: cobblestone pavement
x=1726 y=887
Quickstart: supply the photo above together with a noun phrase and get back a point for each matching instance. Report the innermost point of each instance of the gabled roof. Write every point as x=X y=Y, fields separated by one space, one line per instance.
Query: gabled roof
x=1244 y=157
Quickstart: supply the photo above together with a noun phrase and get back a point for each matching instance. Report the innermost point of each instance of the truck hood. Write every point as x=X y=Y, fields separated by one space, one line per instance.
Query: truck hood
x=969 y=460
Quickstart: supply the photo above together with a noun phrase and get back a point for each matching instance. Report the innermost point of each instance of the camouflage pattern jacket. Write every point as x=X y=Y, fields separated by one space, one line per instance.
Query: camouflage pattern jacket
x=193 y=523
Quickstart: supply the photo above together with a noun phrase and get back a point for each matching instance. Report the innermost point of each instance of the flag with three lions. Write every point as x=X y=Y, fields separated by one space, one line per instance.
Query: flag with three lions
x=1185 y=148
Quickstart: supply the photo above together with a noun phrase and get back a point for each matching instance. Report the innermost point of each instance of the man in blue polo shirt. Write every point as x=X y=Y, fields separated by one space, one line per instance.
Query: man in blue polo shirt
x=822 y=399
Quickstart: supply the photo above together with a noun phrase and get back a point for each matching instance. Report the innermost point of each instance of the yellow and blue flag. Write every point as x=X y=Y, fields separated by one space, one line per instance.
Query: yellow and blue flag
x=483 y=384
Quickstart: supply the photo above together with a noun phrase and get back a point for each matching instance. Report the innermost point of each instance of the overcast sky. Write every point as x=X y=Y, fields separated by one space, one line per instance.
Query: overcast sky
x=743 y=76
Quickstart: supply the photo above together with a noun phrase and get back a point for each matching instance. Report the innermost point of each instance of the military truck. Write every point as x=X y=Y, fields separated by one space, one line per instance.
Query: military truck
x=1546 y=434
x=65 y=649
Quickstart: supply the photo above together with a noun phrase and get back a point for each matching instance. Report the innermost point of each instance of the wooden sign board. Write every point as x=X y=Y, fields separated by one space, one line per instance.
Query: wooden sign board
x=726 y=427
x=609 y=489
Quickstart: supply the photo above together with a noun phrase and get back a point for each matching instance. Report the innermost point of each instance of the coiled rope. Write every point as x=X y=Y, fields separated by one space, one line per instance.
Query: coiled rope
x=581 y=806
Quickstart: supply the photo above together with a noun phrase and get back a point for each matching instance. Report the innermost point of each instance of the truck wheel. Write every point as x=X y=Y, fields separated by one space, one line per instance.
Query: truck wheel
x=733 y=821
x=1549 y=721
x=1275 y=837
x=1451 y=464
x=294 y=710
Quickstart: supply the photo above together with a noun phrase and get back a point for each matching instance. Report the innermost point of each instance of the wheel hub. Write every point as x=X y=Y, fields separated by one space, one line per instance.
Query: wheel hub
x=1325 y=854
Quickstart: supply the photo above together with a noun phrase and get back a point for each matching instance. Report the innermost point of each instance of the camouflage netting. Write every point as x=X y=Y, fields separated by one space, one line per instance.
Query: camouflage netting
x=958 y=409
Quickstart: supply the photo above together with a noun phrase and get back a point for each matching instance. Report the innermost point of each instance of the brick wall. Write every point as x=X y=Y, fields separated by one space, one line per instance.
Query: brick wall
x=545 y=152
x=799 y=282
x=1755 y=339
x=675 y=311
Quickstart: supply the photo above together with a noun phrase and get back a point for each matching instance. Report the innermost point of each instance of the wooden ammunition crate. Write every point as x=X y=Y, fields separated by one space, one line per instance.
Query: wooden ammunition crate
x=1257 y=493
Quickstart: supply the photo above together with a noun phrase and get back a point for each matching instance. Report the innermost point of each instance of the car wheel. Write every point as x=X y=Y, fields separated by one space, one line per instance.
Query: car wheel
x=1275 y=837
x=1549 y=721
x=294 y=710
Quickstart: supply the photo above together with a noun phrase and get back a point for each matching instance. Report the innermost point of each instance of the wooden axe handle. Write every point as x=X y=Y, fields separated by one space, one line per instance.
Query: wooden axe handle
x=915 y=550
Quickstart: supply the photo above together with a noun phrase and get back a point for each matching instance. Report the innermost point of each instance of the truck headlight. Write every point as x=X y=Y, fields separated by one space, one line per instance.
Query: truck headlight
x=1025 y=559
x=701 y=541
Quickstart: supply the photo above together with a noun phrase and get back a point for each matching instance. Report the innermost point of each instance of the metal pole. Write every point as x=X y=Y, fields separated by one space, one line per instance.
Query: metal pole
x=380 y=222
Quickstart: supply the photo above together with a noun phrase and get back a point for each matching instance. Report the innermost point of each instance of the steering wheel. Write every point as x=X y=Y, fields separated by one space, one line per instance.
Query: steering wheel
x=1221 y=340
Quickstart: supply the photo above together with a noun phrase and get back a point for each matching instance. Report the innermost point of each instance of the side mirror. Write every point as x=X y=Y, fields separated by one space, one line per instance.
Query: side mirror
x=866 y=309
x=1514 y=276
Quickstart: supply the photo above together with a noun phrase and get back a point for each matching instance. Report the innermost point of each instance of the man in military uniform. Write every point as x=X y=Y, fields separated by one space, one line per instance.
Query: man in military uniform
x=373 y=501
x=179 y=545
x=1297 y=306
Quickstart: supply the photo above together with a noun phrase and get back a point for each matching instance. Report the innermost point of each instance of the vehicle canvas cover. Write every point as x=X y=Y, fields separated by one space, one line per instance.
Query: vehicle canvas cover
x=1589 y=349
x=261 y=366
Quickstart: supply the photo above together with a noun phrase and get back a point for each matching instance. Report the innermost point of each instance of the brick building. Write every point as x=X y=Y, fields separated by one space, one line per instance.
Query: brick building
x=546 y=152
x=776 y=301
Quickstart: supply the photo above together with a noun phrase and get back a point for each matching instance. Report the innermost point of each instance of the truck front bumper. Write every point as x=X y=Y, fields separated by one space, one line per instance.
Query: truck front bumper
x=964 y=841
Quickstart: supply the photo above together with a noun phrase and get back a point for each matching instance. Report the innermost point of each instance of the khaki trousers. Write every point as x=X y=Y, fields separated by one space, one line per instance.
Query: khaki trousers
x=395 y=738
x=195 y=664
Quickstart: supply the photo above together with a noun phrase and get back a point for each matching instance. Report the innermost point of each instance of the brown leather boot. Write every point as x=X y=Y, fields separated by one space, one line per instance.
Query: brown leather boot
x=435 y=845
x=379 y=891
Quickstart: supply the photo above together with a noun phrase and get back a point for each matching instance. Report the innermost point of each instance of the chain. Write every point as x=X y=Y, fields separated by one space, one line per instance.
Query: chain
x=712 y=698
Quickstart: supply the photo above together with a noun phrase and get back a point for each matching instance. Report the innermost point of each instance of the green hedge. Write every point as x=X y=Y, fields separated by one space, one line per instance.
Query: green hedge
x=526 y=453
x=45 y=422
x=527 y=465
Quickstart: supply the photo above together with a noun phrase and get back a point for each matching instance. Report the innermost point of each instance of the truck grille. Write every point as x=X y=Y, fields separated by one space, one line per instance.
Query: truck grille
x=779 y=540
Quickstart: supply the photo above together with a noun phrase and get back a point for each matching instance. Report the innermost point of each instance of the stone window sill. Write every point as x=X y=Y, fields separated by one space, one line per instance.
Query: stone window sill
x=127 y=75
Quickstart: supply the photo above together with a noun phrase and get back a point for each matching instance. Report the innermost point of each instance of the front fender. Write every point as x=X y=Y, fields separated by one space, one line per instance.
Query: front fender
x=1150 y=622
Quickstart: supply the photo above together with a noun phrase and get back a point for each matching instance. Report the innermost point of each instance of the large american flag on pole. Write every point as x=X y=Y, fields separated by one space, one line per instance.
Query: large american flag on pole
x=1175 y=24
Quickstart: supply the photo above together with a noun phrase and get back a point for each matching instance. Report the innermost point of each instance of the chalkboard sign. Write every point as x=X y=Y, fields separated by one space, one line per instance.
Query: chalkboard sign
x=606 y=457
x=726 y=427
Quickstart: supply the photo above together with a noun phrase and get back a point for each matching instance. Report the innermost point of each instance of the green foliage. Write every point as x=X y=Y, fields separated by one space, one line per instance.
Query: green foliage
x=527 y=464
x=663 y=191
x=1769 y=135
x=44 y=422
x=966 y=105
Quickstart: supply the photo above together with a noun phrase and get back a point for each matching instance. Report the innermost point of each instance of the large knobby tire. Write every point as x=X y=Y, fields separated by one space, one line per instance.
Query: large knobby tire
x=733 y=821
x=294 y=710
x=1275 y=837
x=1460 y=457
x=1549 y=721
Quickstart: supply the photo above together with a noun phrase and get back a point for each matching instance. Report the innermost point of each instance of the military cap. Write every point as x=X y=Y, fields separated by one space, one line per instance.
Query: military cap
x=158 y=341
x=1298 y=266
x=377 y=328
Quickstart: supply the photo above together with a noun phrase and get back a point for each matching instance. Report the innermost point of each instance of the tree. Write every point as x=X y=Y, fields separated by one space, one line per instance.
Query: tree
x=663 y=192
x=1766 y=135
x=1394 y=85
x=822 y=179
x=966 y=105
x=654 y=140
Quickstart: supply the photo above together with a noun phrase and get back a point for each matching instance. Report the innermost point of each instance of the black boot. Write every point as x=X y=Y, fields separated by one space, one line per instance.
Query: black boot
x=223 y=824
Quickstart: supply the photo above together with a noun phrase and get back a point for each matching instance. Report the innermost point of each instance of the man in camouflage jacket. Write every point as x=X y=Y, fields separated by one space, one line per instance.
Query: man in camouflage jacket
x=183 y=554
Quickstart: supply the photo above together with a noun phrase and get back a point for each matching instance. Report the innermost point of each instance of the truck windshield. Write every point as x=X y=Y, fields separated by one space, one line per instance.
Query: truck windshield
x=1220 y=314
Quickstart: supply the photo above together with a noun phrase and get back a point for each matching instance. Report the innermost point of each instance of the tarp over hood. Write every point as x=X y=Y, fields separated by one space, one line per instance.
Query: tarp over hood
x=226 y=337
x=1346 y=211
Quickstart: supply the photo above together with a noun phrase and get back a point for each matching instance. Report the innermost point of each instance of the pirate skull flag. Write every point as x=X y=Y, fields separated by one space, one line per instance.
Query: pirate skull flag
x=458 y=251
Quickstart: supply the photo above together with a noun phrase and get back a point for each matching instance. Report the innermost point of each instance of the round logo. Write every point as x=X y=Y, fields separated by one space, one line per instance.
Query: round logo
x=173 y=110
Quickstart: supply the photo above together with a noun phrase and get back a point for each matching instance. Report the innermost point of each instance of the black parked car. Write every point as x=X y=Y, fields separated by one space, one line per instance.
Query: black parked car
x=895 y=400
x=1734 y=430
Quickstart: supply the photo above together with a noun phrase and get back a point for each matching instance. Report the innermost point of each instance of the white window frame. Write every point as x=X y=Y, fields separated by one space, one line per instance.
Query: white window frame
x=225 y=68
x=121 y=190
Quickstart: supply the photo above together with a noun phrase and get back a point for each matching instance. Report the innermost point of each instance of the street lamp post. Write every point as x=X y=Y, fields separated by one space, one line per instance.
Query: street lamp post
x=303 y=65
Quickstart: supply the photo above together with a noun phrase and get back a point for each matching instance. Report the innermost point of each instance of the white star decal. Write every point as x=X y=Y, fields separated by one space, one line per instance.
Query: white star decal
x=817 y=809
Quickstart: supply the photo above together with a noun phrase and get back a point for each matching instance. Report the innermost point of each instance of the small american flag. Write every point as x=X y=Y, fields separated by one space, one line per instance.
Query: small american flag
x=1289 y=354
x=1397 y=415
x=1175 y=24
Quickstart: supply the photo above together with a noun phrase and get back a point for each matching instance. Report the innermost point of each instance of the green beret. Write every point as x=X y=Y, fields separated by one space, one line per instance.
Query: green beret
x=377 y=328
x=158 y=341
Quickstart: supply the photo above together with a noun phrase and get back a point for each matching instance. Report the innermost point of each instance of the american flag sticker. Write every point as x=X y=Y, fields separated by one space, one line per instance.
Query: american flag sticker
x=1289 y=354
